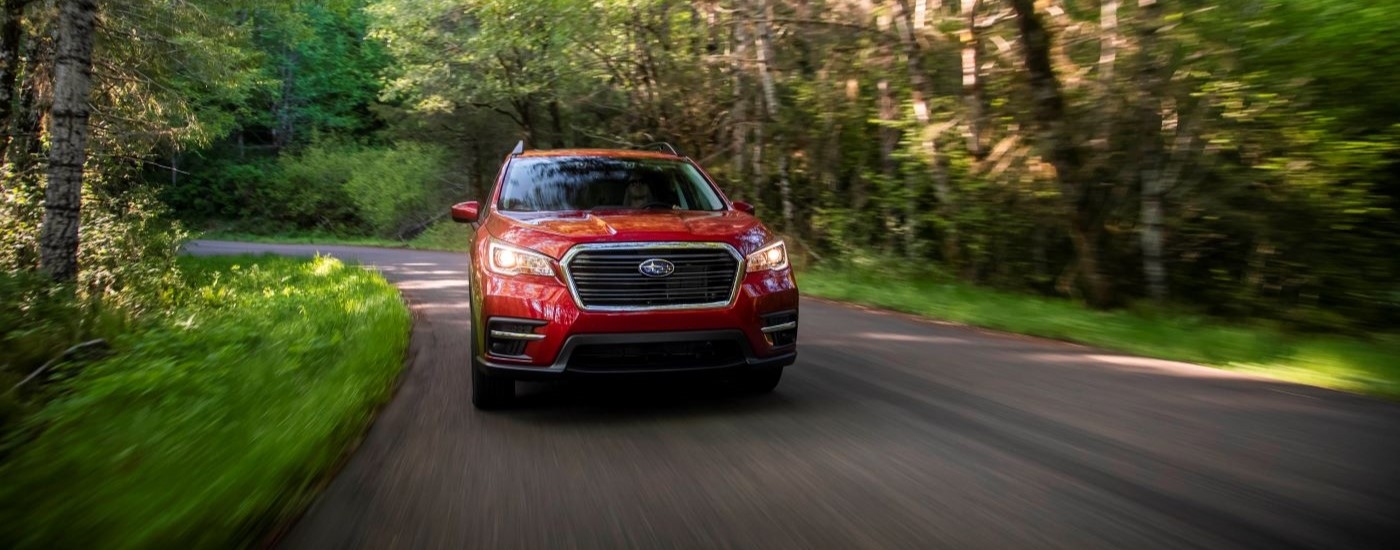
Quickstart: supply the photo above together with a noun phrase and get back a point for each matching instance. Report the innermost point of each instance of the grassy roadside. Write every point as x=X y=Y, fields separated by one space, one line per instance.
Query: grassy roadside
x=215 y=420
x=1362 y=365
x=445 y=235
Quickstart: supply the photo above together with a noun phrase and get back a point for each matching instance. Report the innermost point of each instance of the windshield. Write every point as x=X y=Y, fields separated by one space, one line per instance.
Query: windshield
x=544 y=184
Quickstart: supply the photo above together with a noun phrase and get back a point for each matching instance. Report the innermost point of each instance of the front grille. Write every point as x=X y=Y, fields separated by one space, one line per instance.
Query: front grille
x=655 y=356
x=609 y=278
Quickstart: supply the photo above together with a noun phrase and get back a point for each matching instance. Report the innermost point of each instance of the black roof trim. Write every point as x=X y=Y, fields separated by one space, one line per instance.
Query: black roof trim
x=663 y=147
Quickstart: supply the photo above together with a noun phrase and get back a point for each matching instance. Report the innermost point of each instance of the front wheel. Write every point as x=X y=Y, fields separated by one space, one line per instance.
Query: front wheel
x=761 y=380
x=490 y=392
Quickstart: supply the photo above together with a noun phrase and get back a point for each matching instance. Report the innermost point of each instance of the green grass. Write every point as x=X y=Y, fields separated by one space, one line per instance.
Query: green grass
x=1367 y=365
x=215 y=421
x=445 y=235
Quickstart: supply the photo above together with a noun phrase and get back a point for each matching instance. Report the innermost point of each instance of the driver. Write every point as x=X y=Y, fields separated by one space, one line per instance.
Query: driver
x=638 y=194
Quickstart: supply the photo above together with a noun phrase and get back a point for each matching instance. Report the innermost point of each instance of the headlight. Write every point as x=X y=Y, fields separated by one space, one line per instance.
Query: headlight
x=773 y=256
x=510 y=260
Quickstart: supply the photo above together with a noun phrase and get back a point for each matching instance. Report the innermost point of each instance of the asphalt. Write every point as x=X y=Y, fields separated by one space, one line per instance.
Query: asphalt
x=888 y=432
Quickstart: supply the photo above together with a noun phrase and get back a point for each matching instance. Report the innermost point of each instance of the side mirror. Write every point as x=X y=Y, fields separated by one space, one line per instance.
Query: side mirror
x=466 y=212
x=743 y=207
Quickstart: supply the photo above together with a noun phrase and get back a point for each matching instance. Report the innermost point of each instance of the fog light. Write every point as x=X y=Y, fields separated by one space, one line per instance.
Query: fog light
x=508 y=337
x=780 y=329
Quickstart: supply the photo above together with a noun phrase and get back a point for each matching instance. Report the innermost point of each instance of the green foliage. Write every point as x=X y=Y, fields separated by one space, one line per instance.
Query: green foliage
x=385 y=189
x=128 y=241
x=512 y=57
x=1344 y=363
x=37 y=322
x=166 y=76
x=333 y=188
x=442 y=235
x=394 y=186
x=213 y=421
x=323 y=75
x=309 y=189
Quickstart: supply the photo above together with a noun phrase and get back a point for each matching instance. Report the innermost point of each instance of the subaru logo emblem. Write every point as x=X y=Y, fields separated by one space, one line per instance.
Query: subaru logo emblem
x=656 y=267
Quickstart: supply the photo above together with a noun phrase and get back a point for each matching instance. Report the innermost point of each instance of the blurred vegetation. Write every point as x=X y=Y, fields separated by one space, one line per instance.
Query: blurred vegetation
x=1238 y=161
x=1241 y=160
x=212 y=419
x=441 y=235
x=333 y=188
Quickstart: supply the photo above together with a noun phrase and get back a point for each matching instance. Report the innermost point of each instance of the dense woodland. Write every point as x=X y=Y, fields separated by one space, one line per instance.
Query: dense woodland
x=1239 y=158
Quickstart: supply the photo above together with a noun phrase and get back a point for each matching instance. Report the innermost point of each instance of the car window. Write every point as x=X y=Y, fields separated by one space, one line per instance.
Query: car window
x=541 y=184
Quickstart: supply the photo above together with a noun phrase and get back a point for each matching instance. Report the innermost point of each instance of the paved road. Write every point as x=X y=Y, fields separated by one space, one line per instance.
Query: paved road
x=889 y=432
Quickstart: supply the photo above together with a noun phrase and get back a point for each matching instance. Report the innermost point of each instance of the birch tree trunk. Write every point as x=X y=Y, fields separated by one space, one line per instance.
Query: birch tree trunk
x=68 y=132
x=971 y=81
x=921 y=89
x=763 y=44
x=1108 y=39
x=1108 y=57
x=1153 y=81
x=282 y=133
x=739 y=113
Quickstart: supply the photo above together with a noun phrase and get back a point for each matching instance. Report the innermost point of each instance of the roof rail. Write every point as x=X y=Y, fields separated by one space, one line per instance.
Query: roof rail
x=519 y=148
x=662 y=147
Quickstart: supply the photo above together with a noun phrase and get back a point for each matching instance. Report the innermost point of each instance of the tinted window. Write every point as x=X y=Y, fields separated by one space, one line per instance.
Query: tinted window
x=539 y=184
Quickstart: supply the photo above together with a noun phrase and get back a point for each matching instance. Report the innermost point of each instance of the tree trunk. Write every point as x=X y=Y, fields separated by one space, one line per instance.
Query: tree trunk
x=11 y=32
x=1058 y=146
x=919 y=84
x=68 y=129
x=763 y=44
x=26 y=123
x=525 y=117
x=739 y=113
x=1151 y=163
x=1085 y=232
x=889 y=139
x=938 y=160
x=1108 y=40
x=1108 y=100
x=561 y=139
x=481 y=184
x=971 y=80
x=282 y=134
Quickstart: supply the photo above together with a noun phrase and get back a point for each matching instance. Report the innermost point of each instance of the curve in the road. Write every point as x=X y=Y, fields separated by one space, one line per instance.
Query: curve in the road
x=889 y=432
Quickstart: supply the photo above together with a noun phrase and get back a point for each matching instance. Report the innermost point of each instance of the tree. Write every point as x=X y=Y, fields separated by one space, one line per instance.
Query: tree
x=511 y=58
x=68 y=136
x=1056 y=140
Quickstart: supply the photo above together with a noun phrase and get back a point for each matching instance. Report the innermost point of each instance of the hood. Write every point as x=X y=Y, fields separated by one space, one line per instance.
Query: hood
x=553 y=233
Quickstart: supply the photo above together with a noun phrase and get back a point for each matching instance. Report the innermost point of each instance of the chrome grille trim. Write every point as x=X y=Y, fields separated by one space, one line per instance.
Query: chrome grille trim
x=643 y=294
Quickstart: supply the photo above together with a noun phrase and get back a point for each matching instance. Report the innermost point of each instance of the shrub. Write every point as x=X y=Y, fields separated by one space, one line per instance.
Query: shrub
x=395 y=188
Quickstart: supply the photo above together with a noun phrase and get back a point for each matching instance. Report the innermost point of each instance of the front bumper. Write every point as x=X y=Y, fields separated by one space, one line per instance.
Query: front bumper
x=544 y=307
x=561 y=363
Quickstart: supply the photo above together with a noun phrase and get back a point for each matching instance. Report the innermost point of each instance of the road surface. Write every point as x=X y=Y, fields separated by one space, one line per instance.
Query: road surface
x=889 y=432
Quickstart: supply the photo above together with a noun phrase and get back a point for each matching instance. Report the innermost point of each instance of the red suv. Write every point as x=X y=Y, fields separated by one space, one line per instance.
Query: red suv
x=590 y=262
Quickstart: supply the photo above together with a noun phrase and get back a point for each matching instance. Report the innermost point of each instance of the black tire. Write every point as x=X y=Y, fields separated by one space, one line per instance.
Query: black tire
x=761 y=380
x=490 y=392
